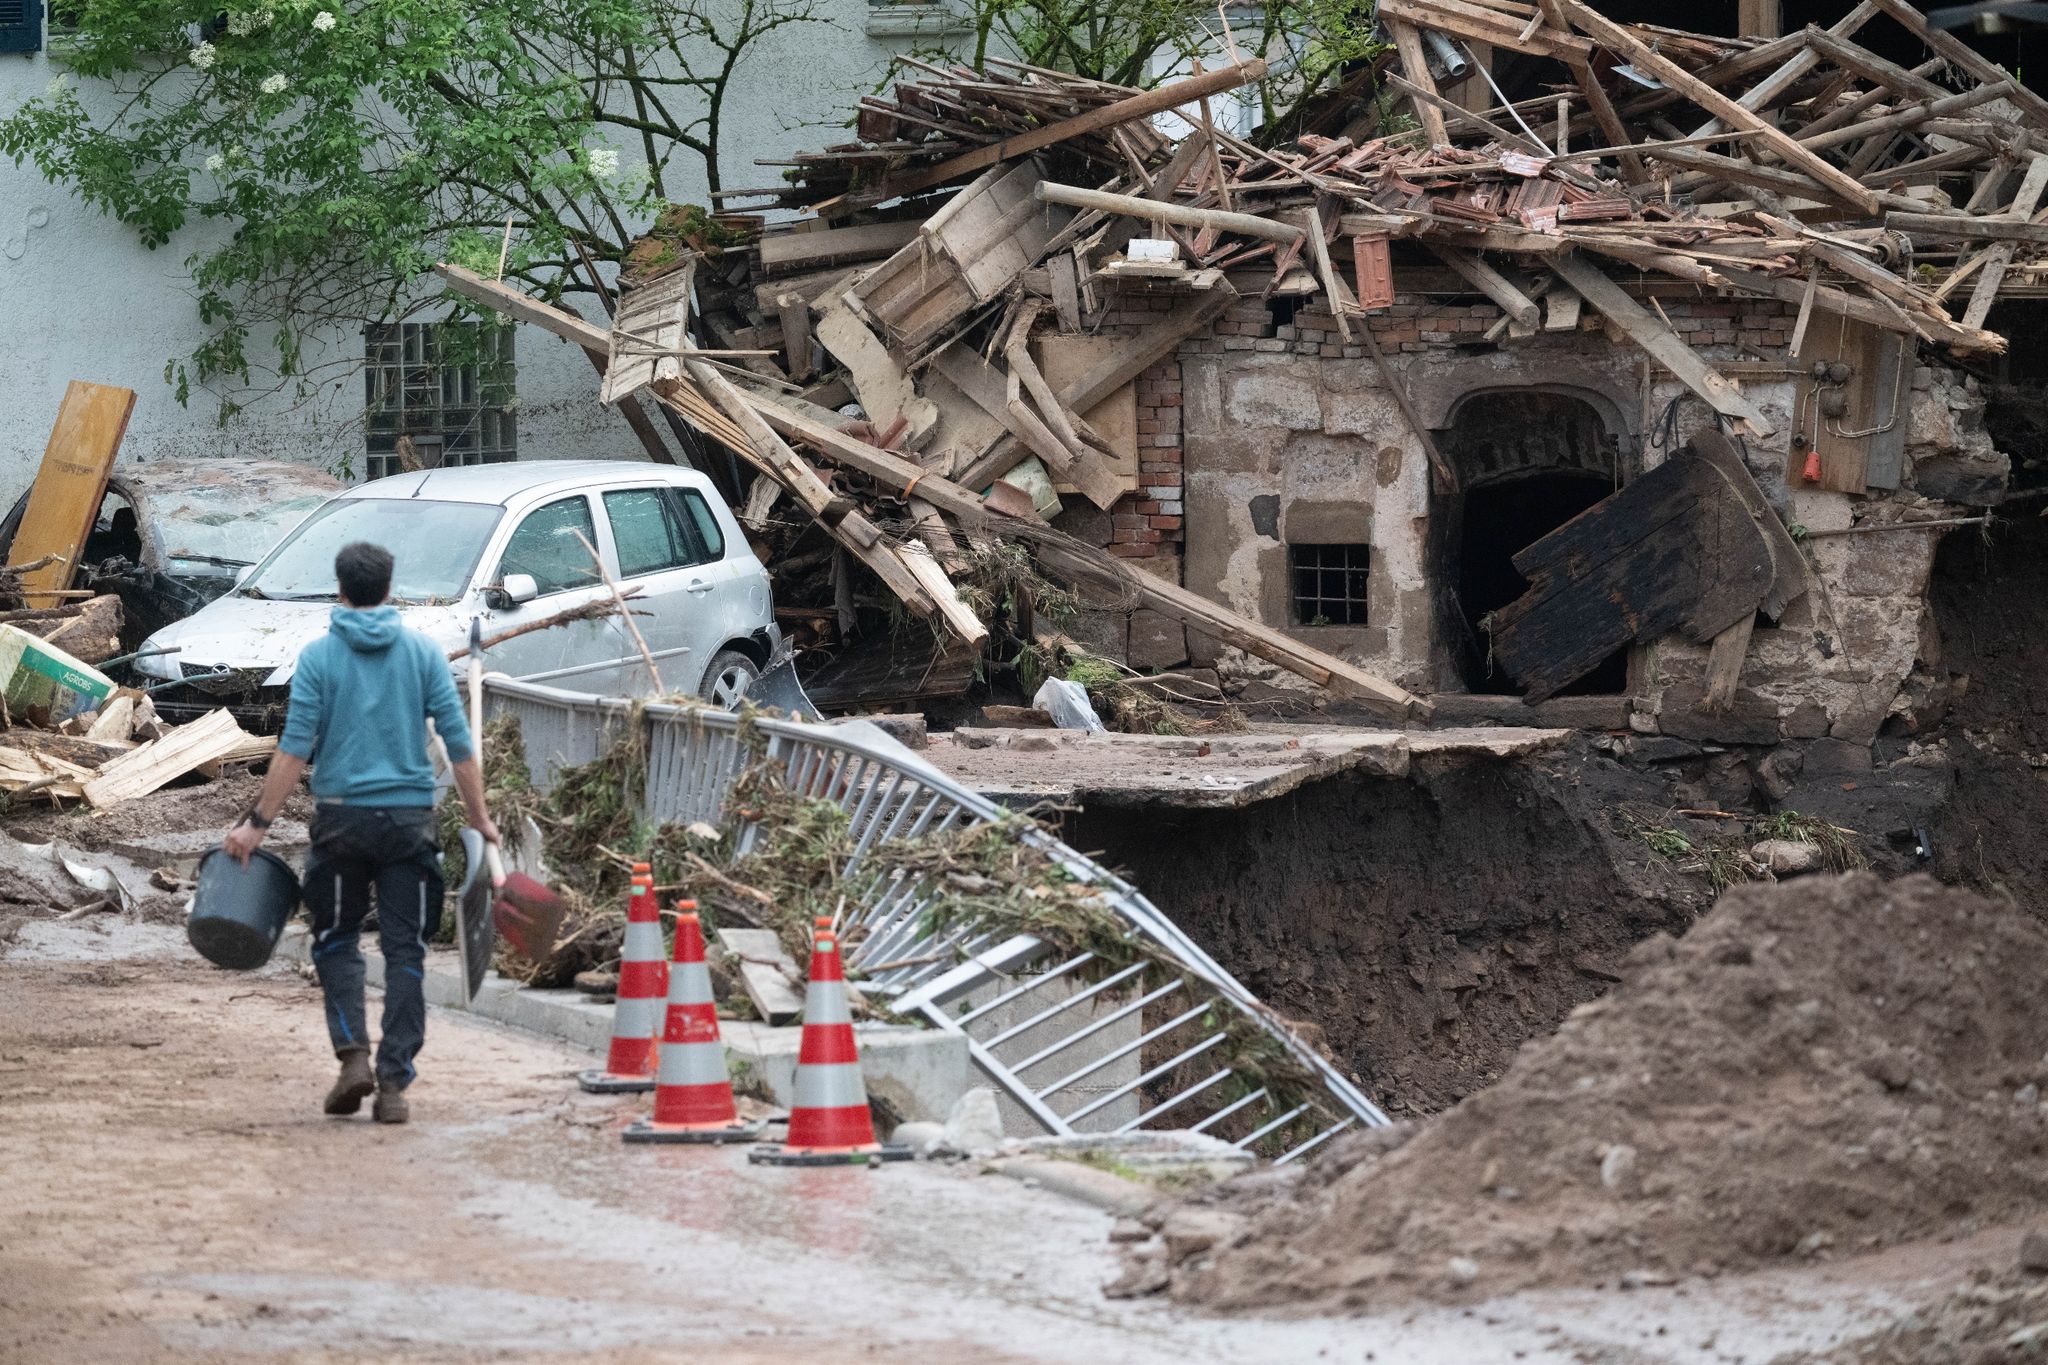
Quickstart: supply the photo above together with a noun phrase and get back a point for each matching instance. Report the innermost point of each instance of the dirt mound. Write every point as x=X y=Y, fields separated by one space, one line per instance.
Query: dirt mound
x=2000 y=1318
x=1830 y=1063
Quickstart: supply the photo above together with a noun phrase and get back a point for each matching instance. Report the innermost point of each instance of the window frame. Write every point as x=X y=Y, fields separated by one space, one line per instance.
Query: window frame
x=671 y=495
x=497 y=578
x=24 y=36
x=407 y=360
x=713 y=554
x=1357 y=560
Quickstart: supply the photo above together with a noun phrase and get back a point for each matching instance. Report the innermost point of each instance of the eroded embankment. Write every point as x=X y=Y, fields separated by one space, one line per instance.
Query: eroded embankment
x=1425 y=926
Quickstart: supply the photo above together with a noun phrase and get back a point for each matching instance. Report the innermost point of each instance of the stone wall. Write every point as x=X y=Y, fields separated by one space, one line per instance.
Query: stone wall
x=1289 y=435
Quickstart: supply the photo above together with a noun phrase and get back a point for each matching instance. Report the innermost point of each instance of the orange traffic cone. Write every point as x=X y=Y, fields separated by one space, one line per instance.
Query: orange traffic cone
x=829 y=1124
x=693 y=1101
x=643 y=980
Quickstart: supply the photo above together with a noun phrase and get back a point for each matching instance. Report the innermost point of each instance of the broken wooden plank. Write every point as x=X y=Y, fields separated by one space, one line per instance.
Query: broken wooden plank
x=886 y=392
x=1673 y=550
x=1158 y=101
x=786 y=253
x=2024 y=201
x=766 y=971
x=1663 y=344
x=147 y=767
x=1105 y=377
x=69 y=484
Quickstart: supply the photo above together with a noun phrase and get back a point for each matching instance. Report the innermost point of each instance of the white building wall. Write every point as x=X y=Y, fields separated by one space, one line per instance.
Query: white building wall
x=80 y=298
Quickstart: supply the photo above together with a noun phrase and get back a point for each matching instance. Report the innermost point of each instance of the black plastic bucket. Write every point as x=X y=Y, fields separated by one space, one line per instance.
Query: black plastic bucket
x=238 y=912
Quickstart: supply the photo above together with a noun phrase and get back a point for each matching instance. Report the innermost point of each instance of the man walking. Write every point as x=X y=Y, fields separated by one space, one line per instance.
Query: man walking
x=360 y=701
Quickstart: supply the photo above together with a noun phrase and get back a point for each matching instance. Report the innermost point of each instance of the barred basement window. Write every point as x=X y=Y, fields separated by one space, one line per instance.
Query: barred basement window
x=1329 y=583
x=449 y=386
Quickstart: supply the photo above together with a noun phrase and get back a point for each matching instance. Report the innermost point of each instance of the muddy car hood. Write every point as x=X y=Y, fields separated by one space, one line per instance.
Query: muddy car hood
x=248 y=633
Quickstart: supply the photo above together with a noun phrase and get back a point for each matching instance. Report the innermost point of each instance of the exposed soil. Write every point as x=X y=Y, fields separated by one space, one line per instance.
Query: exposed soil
x=1827 y=1066
x=2000 y=1318
x=1991 y=604
x=1426 y=926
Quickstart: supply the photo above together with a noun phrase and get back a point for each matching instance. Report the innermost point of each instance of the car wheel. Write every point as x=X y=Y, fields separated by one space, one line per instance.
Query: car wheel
x=726 y=681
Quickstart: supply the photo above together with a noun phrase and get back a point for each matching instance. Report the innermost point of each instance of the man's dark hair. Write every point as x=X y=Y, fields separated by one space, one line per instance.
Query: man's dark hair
x=364 y=572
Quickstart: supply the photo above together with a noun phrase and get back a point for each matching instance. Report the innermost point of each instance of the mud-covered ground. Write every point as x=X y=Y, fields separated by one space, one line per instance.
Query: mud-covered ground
x=173 y=1194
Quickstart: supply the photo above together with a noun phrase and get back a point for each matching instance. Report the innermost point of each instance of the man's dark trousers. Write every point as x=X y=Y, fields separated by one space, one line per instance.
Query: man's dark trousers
x=397 y=850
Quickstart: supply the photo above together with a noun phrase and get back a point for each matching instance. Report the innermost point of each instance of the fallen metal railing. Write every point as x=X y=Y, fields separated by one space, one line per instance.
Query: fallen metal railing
x=1076 y=1056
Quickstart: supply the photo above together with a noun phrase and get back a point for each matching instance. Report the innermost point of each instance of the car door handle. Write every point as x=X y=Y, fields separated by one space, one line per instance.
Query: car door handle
x=697 y=587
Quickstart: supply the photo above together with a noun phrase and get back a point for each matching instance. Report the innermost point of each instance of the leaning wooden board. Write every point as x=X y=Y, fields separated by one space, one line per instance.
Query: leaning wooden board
x=66 y=495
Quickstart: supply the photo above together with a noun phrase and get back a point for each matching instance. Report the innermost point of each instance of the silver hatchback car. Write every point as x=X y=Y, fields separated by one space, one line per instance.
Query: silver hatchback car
x=512 y=544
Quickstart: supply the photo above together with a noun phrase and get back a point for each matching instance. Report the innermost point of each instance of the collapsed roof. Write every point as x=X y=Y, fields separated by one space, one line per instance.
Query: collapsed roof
x=1808 y=169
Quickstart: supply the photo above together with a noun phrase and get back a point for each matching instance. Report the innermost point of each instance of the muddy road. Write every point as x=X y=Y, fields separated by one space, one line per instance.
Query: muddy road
x=172 y=1193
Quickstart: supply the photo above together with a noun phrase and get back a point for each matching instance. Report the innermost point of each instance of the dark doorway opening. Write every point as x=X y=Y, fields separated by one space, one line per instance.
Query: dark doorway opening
x=1528 y=460
x=1502 y=519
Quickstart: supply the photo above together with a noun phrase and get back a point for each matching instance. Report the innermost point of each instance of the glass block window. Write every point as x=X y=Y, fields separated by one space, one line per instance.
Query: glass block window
x=449 y=386
x=1329 y=583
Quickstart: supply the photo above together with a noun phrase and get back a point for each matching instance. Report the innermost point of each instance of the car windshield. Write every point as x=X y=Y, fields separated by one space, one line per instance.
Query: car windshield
x=214 y=531
x=435 y=545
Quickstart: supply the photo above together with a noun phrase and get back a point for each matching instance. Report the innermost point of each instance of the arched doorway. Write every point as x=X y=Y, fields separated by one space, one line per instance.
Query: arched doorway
x=1528 y=461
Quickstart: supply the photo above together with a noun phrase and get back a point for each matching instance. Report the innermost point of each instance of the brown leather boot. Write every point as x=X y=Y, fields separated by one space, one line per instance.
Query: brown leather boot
x=390 y=1105
x=354 y=1083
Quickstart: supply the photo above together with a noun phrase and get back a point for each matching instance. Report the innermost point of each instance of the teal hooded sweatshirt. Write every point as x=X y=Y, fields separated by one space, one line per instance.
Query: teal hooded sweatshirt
x=359 y=707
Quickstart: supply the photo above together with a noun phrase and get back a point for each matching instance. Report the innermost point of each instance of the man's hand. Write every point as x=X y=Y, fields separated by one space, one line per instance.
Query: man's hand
x=241 y=841
x=484 y=825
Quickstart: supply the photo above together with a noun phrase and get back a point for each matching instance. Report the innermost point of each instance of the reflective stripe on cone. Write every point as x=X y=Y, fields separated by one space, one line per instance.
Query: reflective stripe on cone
x=643 y=980
x=693 y=1099
x=828 y=1120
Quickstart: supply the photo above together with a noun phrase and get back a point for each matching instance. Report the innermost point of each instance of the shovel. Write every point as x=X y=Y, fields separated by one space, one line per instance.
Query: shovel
x=528 y=914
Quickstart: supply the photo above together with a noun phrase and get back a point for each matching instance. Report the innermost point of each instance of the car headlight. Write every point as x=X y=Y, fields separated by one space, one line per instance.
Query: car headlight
x=164 y=666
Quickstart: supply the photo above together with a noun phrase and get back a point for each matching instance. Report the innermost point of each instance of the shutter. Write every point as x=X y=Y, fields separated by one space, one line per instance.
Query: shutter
x=21 y=25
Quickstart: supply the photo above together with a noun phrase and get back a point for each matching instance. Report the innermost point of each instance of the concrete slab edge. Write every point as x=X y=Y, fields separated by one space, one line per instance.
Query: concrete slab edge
x=1089 y=1184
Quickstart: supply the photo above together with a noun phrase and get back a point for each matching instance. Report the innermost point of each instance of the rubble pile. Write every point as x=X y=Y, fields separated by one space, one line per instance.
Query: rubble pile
x=928 y=359
x=1819 y=1068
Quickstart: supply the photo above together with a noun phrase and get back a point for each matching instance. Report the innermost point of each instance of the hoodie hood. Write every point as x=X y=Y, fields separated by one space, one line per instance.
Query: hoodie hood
x=365 y=630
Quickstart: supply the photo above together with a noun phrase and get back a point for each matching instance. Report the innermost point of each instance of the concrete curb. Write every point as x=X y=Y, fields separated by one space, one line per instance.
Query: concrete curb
x=1089 y=1184
x=918 y=1073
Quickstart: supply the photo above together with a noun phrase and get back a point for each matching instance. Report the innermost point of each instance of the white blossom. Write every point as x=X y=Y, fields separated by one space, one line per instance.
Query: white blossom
x=323 y=21
x=202 y=56
x=274 y=83
x=603 y=161
x=241 y=23
x=59 y=83
x=216 y=163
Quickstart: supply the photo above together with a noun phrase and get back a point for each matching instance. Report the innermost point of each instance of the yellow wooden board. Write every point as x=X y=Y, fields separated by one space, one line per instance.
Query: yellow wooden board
x=66 y=495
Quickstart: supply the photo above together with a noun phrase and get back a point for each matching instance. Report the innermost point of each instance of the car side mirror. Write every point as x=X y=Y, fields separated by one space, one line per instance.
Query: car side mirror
x=517 y=589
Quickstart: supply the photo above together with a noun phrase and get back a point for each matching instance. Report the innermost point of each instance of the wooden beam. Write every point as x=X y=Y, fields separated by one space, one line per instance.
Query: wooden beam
x=1623 y=43
x=1952 y=49
x=1761 y=18
x=1491 y=283
x=1443 y=474
x=1107 y=116
x=1415 y=65
x=1180 y=215
x=1760 y=95
x=1992 y=227
x=2024 y=202
x=1663 y=344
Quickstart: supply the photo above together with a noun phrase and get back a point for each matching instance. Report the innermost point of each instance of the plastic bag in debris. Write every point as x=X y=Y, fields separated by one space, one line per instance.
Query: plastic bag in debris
x=1068 y=705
